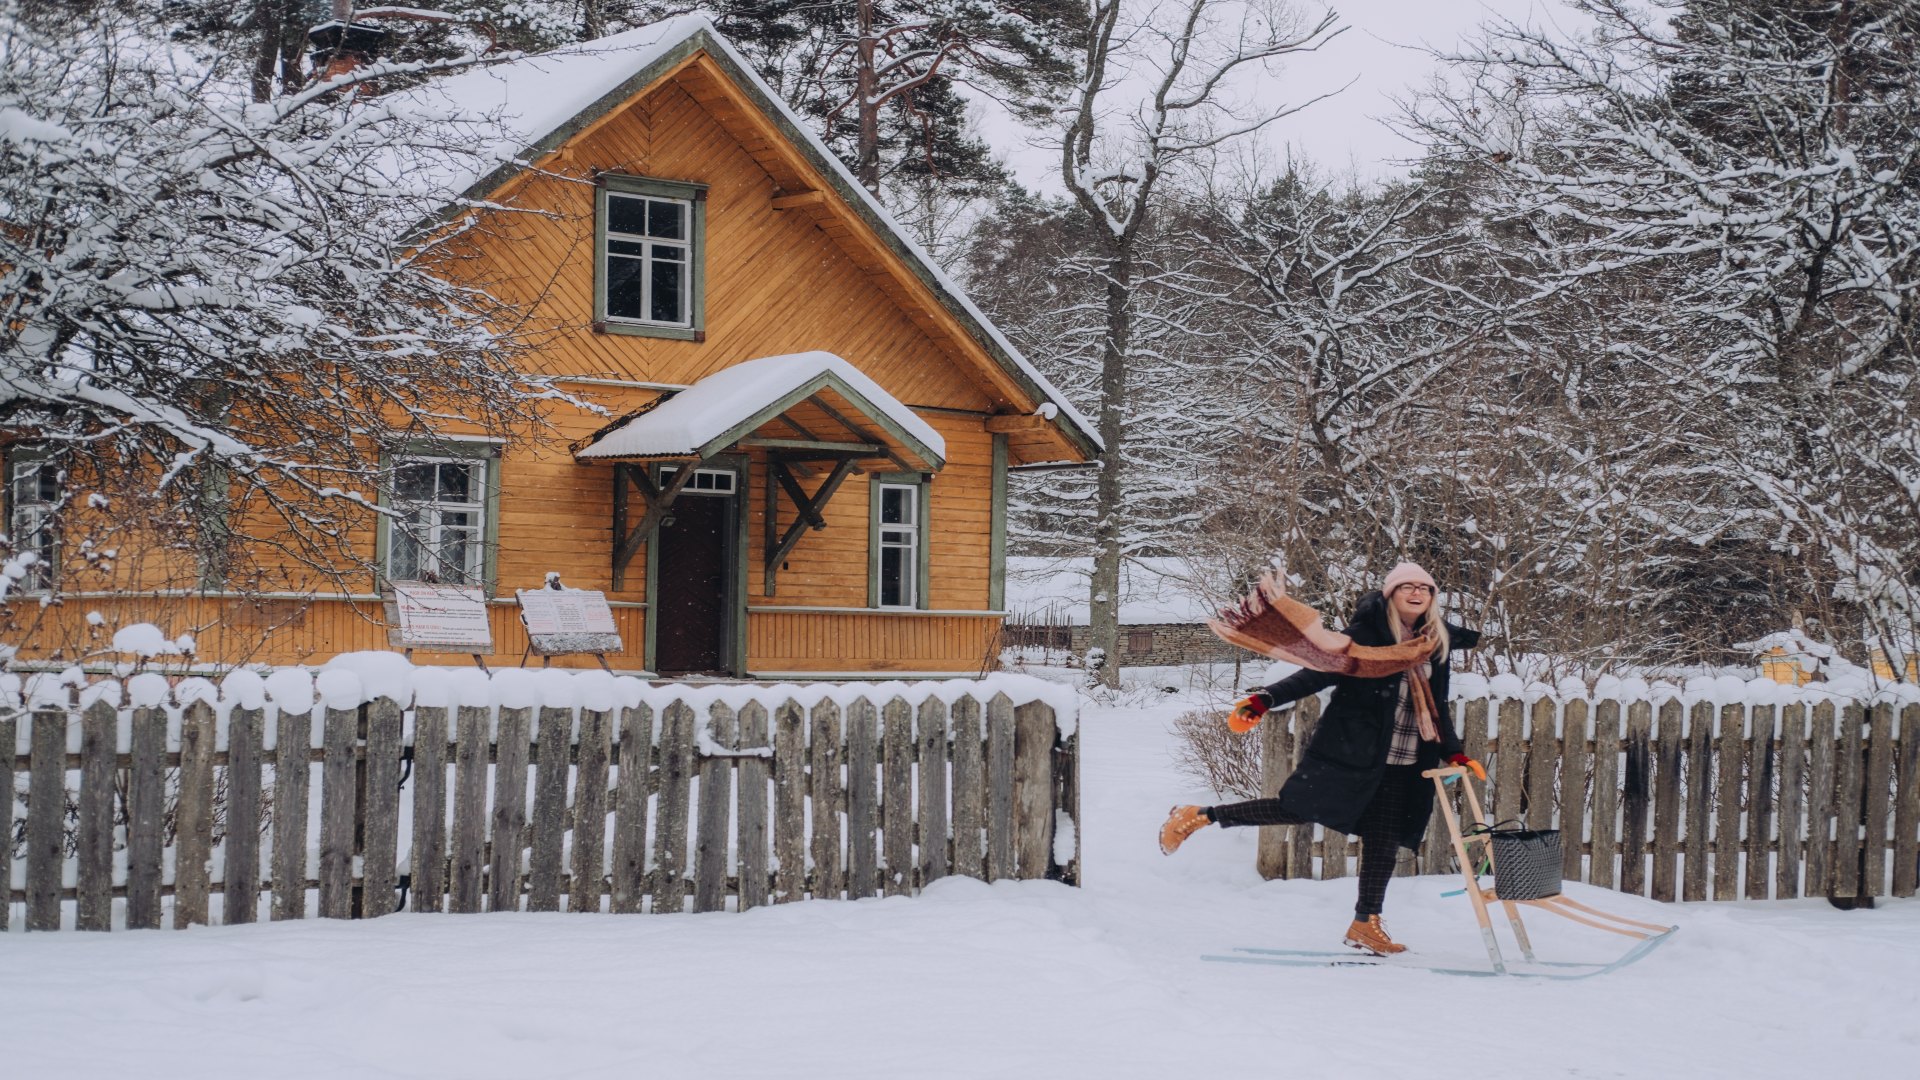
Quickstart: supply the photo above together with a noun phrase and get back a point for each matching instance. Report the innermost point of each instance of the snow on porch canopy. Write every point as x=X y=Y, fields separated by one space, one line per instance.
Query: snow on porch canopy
x=717 y=411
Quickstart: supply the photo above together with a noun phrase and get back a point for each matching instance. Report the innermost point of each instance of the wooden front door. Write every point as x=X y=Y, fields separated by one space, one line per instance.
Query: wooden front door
x=694 y=583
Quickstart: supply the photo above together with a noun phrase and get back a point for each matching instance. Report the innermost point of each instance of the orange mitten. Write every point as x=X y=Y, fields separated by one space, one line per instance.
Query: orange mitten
x=1246 y=714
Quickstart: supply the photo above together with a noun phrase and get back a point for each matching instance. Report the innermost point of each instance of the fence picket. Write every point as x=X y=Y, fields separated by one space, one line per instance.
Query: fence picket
x=1034 y=731
x=830 y=805
x=716 y=806
x=1271 y=850
x=336 y=814
x=1301 y=720
x=1000 y=863
x=1906 y=807
x=1543 y=764
x=751 y=776
x=549 y=814
x=863 y=801
x=1731 y=774
x=790 y=803
x=8 y=749
x=1879 y=784
x=1066 y=803
x=676 y=791
x=1793 y=800
x=380 y=816
x=1576 y=766
x=469 y=844
x=1635 y=798
x=93 y=832
x=245 y=755
x=630 y=809
x=1606 y=794
x=427 y=858
x=969 y=790
x=193 y=818
x=1666 y=801
x=932 y=789
x=588 y=876
x=1844 y=882
x=896 y=797
x=292 y=781
x=1760 y=769
x=512 y=743
x=1699 y=800
x=46 y=847
x=1509 y=762
x=1820 y=766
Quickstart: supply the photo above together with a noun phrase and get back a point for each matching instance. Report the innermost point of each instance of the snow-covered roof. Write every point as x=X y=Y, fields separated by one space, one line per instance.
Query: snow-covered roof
x=699 y=420
x=509 y=114
x=1050 y=591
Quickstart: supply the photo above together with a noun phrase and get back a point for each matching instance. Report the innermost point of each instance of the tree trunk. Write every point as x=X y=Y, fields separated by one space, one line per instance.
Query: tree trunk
x=1103 y=616
x=867 y=151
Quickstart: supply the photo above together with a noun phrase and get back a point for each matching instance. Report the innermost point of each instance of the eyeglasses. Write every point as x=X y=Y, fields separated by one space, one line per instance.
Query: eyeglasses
x=1409 y=587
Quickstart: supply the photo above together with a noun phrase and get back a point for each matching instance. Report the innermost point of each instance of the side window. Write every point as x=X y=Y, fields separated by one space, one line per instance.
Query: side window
x=648 y=272
x=898 y=571
x=440 y=534
x=33 y=490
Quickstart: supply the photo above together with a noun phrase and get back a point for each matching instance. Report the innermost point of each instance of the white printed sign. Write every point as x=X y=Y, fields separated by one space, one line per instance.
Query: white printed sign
x=569 y=621
x=442 y=616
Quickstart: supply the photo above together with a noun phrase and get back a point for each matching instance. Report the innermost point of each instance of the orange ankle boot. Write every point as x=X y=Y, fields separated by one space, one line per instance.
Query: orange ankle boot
x=1182 y=822
x=1370 y=935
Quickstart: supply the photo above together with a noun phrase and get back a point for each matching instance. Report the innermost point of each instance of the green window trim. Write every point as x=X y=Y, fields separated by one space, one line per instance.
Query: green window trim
x=11 y=455
x=693 y=194
x=489 y=452
x=923 y=484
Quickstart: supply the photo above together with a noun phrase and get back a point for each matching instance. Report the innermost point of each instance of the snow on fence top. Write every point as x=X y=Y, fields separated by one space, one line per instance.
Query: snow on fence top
x=354 y=679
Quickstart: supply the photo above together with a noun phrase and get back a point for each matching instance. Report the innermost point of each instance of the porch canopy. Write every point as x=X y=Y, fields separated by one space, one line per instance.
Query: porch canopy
x=809 y=411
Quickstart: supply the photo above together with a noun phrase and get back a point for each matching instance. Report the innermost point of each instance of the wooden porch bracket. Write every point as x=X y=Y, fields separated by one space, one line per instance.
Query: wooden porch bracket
x=627 y=541
x=808 y=508
x=860 y=433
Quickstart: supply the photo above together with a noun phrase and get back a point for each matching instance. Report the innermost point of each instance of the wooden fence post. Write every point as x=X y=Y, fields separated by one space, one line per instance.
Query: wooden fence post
x=94 y=831
x=716 y=806
x=1301 y=720
x=1760 y=770
x=863 y=800
x=1792 y=814
x=549 y=814
x=630 y=809
x=790 y=803
x=512 y=745
x=1543 y=764
x=1820 y=770
x=46 y=812
x=193 y=818
x=246 y=754
x=337 y=810
x=1276 y=764
x=932 y=777
x=427 y=863
x=896 y=797
x=1878 y=785
x=469 y=844
x=1700 y=788
x=292 y=780
x=588 y=875
x=1906 y=809
x=676 y=792
x=1635 y=797
x=1844 y=883
x=826 y=741
x=1731 y=773
x=1606 y=794
x=1000 y=858
x=969 y=790
x=1666 y=802
x=751 y=777
x=1033 y=738
x=380 y=816
x=1576 y=757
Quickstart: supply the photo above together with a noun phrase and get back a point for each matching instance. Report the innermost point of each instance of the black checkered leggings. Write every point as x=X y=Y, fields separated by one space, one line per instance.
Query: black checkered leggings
x=1381 y=825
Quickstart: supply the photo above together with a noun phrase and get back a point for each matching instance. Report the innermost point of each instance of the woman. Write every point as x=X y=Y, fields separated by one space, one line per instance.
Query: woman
x=1361 y=770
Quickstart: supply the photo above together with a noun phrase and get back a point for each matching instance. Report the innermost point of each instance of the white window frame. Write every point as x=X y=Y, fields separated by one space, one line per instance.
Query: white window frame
x=478 y=487
x=649 y=246
x=28 y=518
x=904 y=537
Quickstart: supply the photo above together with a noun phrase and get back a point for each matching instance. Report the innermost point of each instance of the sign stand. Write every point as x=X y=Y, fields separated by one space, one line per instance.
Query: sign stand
x=439 y=618
x=564 y=622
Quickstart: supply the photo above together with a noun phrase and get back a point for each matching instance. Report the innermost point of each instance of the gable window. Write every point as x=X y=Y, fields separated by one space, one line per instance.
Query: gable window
x=897 y=576
x=648 y=273
x=33 y=491
x=442 y=528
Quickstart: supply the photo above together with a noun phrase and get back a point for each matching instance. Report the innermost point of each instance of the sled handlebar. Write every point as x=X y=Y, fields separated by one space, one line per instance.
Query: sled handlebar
x=1445 y=772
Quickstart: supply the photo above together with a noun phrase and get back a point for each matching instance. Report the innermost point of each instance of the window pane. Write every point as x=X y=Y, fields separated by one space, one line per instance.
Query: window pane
x=407 y=555
x=627 y=214
x=667 y=278
x=669 y=253
x=456 y=555
x=413 y=482
x=48 y=483
x=635 y=248
x=896 y=505
x=666 y=220
x=456 y=483
x=623 y=288
x=895 y=578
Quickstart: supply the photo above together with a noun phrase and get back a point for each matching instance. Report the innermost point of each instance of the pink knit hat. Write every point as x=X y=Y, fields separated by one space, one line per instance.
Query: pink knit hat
x=1404 y=574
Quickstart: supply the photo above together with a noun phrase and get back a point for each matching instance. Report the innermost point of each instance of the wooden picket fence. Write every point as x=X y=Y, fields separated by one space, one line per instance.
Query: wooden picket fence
x=531 y=808
x=1713 y=802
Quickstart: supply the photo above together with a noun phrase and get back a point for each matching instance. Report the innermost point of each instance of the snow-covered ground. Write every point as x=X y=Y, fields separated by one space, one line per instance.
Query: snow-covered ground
x=971 y=980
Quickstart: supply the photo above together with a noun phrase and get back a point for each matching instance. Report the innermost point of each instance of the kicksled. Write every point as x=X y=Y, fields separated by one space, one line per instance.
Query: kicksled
x=1468 y=843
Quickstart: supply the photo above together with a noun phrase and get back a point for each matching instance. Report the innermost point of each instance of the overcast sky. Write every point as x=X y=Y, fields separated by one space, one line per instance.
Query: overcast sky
x=1383 y=52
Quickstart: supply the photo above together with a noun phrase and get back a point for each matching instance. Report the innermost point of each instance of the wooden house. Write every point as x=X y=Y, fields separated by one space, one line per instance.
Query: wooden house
x=805 y=471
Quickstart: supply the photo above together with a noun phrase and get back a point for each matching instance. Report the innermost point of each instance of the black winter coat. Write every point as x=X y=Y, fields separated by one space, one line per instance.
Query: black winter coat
x=1347 y=753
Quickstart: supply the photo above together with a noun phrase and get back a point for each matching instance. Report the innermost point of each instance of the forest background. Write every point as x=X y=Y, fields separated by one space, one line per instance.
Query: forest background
x=1627 y=355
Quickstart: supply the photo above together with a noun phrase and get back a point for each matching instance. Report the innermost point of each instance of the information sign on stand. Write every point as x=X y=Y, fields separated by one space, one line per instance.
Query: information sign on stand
x=565 y=621
x=440 y=618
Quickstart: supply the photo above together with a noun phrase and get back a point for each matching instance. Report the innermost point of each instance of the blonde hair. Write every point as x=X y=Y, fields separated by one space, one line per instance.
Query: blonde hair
x=1436 y=624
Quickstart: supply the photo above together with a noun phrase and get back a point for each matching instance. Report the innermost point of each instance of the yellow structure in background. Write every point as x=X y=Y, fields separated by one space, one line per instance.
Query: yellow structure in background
x=1784 y=668
x=1884 y=669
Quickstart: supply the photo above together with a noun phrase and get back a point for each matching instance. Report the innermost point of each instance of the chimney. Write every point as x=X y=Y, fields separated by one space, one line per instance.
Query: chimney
x=340 y=45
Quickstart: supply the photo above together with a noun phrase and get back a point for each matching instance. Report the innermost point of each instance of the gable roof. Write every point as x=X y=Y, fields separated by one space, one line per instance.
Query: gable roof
x=710 y=415
x=516 y=112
